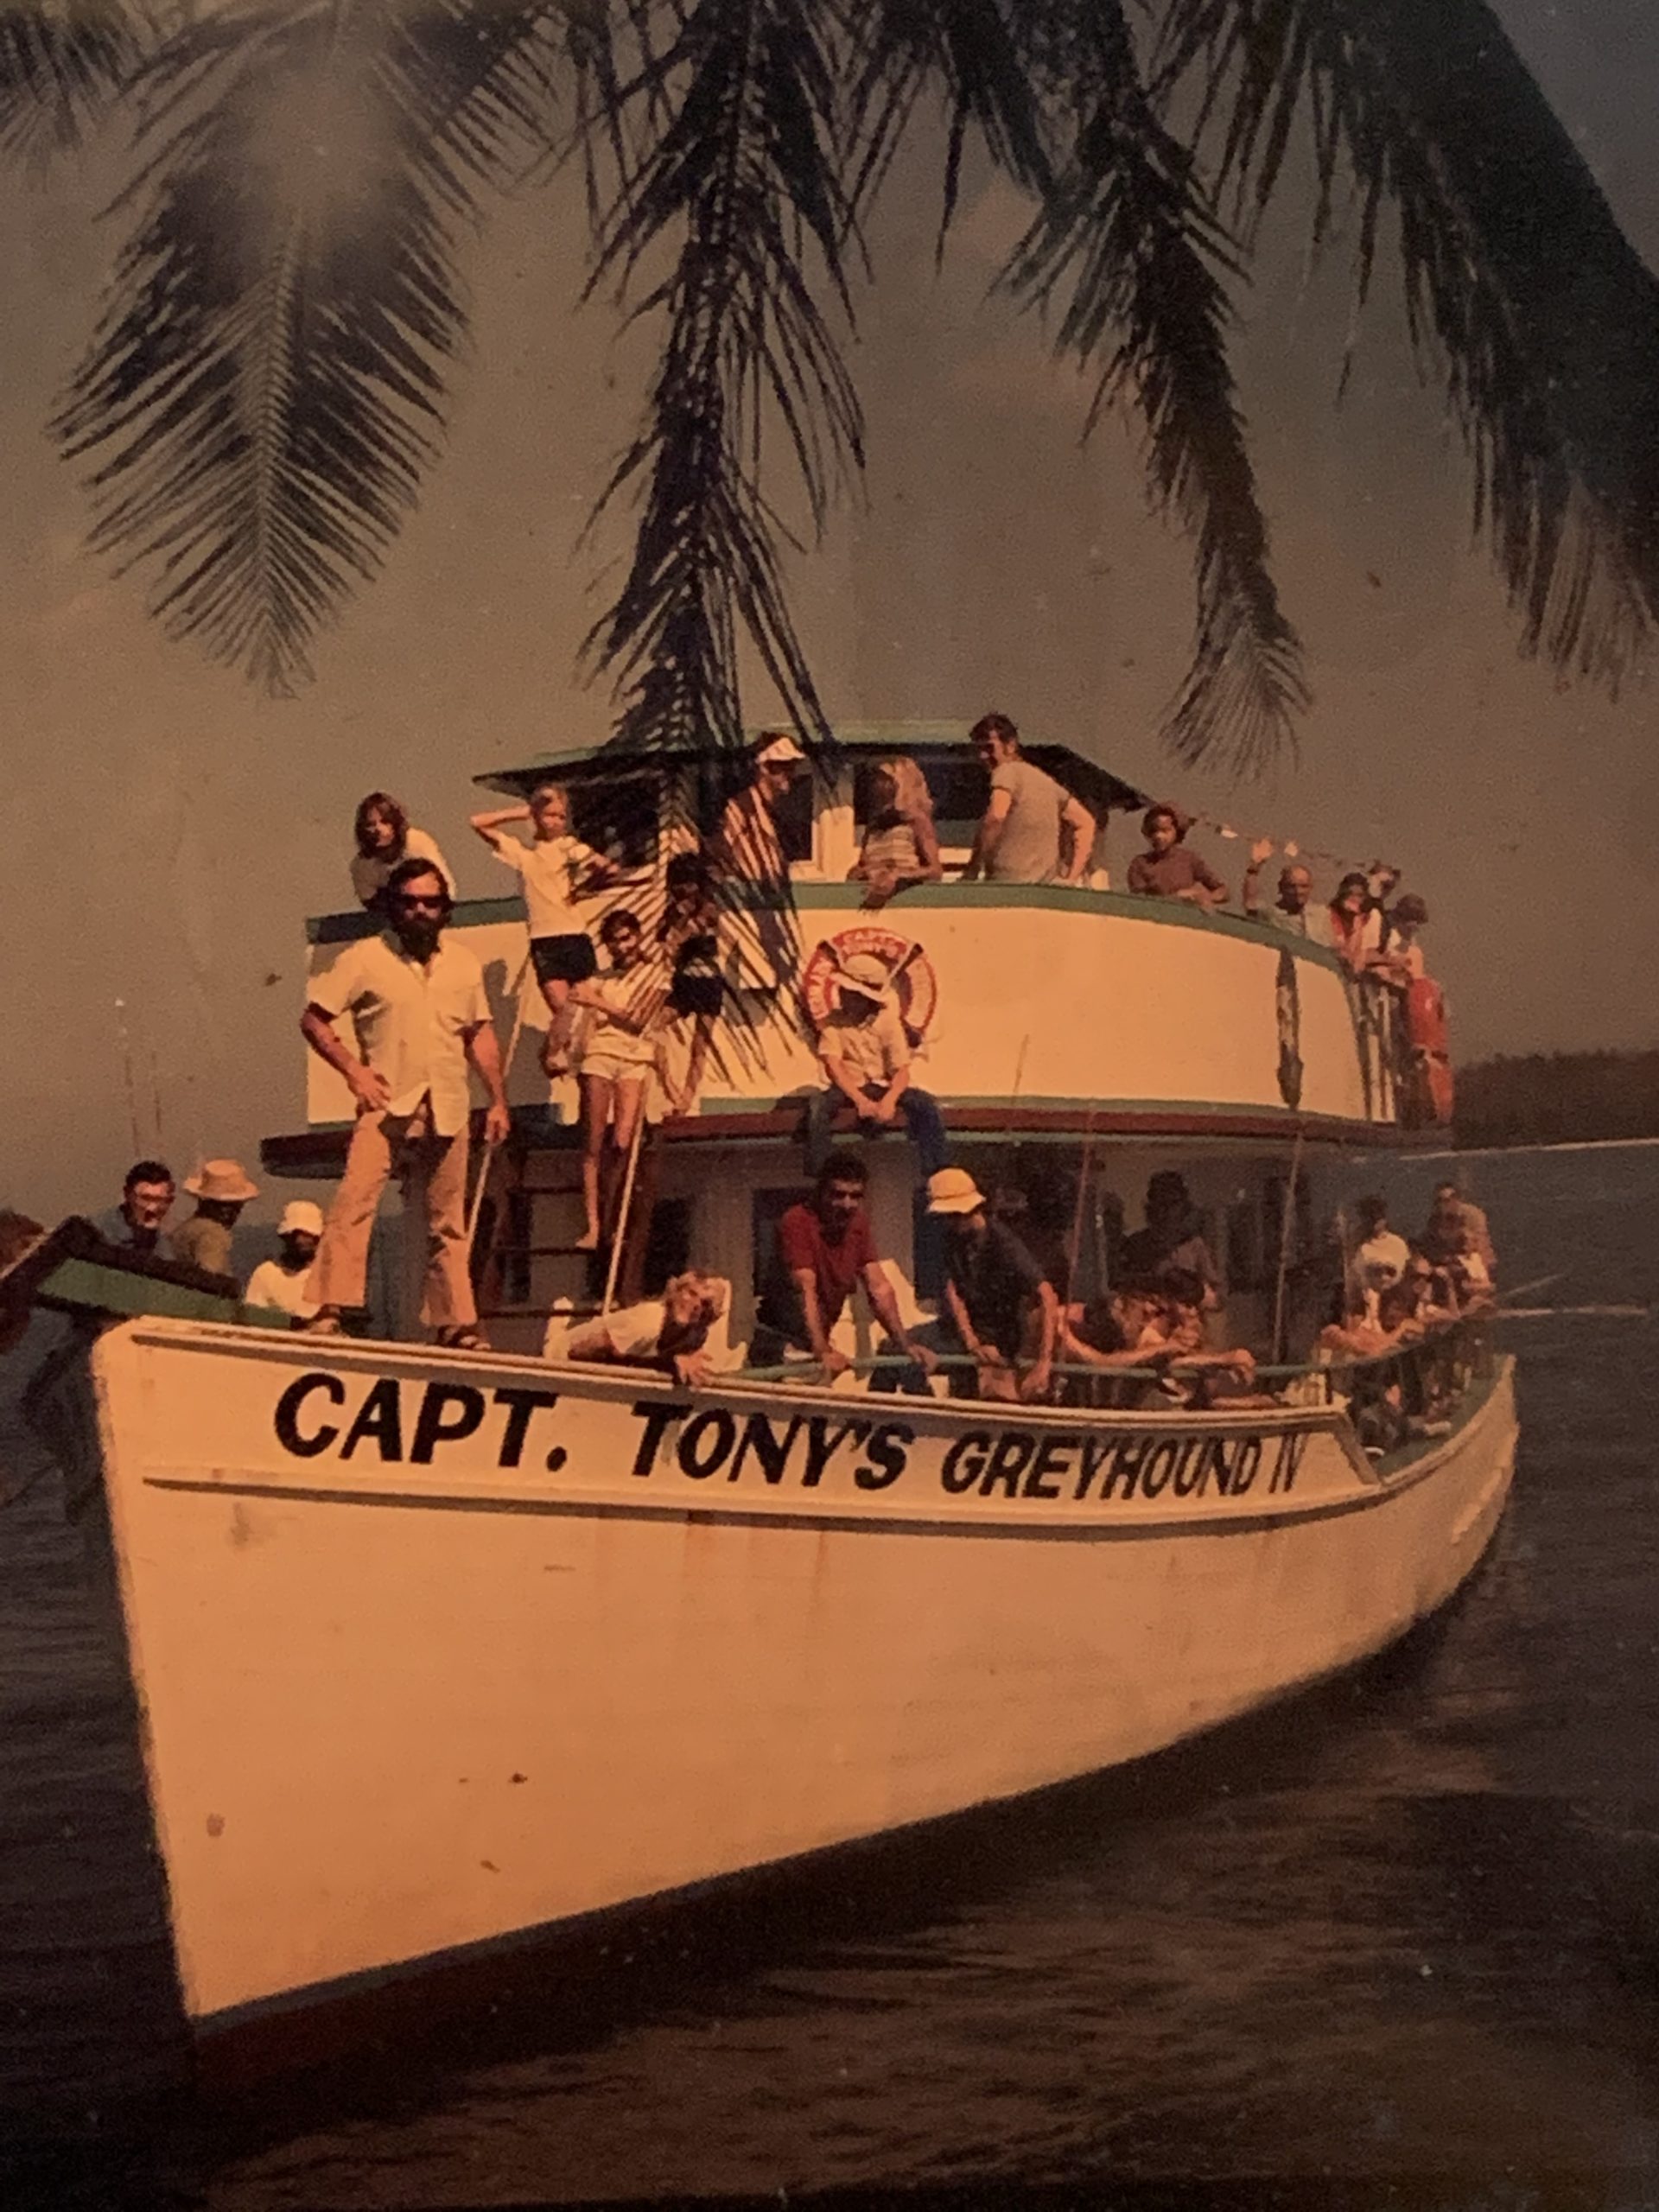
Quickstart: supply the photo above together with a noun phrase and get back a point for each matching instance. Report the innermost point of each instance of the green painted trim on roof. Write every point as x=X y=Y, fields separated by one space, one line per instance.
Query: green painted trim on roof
x=1130 y=905
x=469 y=913
x=848 y=898
x=111 y=1290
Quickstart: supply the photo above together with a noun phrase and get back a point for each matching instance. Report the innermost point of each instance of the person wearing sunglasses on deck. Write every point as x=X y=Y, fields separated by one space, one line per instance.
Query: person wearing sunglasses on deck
x=419 y=1019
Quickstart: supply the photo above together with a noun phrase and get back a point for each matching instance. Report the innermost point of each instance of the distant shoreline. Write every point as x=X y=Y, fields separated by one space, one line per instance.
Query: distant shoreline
x=1581 y=1144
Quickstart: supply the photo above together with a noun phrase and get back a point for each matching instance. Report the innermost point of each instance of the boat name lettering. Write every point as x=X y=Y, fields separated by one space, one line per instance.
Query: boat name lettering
x=1019 y=1463
x=717 y=1442
x=393 y=1424
x=446 y=1413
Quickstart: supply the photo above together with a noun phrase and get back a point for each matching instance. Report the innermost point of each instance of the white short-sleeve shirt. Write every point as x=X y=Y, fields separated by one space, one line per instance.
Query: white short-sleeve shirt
x=369 y=872
x=411 y=1020
x=282 y=1288
x=551 y=869
x=875 y=1049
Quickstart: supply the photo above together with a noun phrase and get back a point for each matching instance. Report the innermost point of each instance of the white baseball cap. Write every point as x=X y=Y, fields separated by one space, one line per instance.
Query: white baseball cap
x=301 y=1214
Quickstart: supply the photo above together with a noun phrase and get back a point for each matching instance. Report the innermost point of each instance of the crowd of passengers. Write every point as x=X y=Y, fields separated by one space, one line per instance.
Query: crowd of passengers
x=411 y=1002
x=1008 y=1330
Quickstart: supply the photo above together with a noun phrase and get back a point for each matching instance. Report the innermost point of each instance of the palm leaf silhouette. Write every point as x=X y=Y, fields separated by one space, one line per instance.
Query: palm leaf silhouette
x=1128 y=247
x=267 y=388
x=735 y=164
x=63 y=65
x=1521 y=289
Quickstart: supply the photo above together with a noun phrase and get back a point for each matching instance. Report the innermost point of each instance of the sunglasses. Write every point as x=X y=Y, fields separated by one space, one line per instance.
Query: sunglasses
x=410 y=901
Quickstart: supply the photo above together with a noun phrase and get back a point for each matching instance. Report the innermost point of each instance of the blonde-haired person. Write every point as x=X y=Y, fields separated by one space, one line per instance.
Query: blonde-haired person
x=901 y=846
x=555 y=869
x=669 y=1333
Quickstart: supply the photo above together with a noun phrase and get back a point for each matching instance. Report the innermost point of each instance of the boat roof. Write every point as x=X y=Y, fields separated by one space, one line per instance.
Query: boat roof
x=1097 y=786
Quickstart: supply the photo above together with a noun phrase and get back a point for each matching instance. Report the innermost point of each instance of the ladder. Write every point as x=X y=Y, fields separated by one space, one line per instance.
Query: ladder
x=527 y=1267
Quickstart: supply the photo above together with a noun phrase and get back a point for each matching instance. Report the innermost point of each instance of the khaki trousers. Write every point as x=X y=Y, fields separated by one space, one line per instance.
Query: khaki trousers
x=433 y=1172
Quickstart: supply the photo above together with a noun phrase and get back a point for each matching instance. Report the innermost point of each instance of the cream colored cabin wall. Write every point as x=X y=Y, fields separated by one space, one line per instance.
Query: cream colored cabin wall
x=1035 y=1004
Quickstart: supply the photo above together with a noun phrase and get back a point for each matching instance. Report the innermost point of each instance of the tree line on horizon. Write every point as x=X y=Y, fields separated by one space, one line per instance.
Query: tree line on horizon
x=1557 y=1098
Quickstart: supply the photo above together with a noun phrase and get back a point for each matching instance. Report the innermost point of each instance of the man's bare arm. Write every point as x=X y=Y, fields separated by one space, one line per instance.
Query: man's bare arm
x=370 y=1090
x=1078 y=826
x=992 y=824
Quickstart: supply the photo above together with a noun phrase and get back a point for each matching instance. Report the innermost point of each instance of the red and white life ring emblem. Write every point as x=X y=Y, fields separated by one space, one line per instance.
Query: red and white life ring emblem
x=916 y=988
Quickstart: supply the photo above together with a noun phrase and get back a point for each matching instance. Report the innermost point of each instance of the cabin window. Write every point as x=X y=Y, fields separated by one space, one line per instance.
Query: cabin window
x=793 y=814
x=667 y=1245
x=619 y=816
x=1245 y=1243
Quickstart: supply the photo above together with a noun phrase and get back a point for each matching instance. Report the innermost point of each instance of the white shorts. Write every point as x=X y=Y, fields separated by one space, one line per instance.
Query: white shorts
x=613 y=1067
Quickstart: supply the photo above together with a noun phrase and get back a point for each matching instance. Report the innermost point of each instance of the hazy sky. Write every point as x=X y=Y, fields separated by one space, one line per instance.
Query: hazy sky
x=167 y=830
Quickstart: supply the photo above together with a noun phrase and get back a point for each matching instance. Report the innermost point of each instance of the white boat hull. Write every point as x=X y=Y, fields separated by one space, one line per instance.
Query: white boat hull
x=409 y=1688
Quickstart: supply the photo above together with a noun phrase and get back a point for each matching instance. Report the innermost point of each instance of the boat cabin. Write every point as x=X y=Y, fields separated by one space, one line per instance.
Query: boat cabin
x=1078 y=1038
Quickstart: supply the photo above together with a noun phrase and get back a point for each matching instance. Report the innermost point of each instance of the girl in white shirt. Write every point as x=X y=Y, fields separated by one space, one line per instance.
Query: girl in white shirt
x=555 y=869
x=384 y=837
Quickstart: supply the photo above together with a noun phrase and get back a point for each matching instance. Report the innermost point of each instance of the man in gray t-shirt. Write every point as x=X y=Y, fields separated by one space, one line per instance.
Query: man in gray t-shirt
x=1034 y=831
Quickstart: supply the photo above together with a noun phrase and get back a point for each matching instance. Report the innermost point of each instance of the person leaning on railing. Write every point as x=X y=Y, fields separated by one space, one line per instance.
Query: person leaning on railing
x=1034 y=831
x=998 y=1301
x=825 y=1249
x=669 y=1333
x=1169 y=868
x=901 y=845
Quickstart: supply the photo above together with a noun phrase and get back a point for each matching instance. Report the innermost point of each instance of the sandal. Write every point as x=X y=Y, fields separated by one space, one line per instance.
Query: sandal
x=464 y=1338
x=320 y=1325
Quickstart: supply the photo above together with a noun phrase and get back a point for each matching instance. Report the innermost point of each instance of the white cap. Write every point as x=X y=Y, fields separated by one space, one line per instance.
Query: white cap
x=301 y=1214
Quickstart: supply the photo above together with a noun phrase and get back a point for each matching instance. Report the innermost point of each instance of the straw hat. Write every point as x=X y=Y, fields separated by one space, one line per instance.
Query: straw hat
x=300 y=1215
x=222 y=1179
x=870 y=978
x=953 y=1189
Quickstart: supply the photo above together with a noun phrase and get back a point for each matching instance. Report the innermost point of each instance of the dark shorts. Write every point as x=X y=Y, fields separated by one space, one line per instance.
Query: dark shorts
x=564 y=959
x=698 y=994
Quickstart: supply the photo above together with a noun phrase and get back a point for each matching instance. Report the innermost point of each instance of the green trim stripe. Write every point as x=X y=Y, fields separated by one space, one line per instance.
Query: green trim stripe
x=848 y=898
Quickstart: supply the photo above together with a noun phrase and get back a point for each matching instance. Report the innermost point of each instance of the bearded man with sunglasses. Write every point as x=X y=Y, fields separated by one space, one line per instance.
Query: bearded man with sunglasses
x=419 y=1017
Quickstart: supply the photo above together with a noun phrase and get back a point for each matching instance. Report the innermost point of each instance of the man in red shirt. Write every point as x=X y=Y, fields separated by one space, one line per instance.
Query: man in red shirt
x=825 y=1248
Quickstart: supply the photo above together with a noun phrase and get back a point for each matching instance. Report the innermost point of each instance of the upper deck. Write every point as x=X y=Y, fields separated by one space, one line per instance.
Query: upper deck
x=1033 y=1007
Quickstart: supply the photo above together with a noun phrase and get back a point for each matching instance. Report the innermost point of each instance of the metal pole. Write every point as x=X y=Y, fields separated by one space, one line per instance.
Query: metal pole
x=1286 y=1219
x=619 y=1237
x=489 y=1148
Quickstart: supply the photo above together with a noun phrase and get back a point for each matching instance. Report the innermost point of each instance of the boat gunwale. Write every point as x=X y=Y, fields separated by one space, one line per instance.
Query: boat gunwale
x=1375 y=1481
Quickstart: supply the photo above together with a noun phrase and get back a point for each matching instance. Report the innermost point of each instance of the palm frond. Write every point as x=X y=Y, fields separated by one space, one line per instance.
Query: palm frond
x=970 y=50
x=1128 y=251
x=267 y=386
x=738 y=176
x=63 y=64
x=1540 y=317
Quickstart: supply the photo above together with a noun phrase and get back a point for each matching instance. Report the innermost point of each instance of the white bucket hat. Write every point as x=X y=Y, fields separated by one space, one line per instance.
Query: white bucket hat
x=870 y=978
